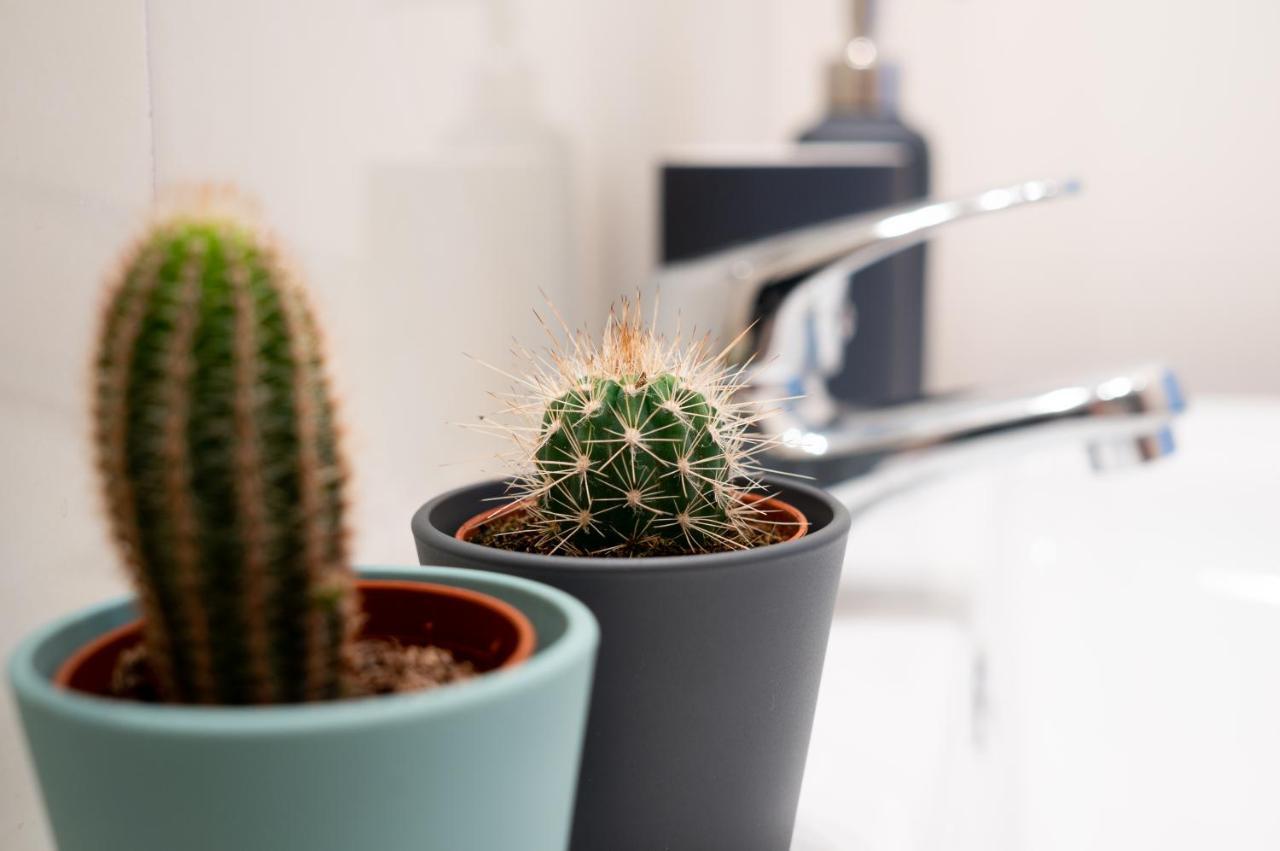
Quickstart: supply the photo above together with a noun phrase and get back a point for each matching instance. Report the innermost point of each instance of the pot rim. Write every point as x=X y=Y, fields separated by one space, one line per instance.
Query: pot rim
x=32 y=684
x=813 y=540
x=525 y=635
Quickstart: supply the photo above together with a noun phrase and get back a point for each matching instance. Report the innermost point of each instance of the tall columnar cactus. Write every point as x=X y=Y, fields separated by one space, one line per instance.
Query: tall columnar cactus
x=218 y=447
x=635 y=445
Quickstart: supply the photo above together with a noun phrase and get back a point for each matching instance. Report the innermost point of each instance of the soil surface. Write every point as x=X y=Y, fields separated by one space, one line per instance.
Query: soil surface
x=506 y=532
x=373 y=666
x=382 y=666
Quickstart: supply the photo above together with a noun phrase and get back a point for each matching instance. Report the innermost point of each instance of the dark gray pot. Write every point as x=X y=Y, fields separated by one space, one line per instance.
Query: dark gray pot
x=706 y=680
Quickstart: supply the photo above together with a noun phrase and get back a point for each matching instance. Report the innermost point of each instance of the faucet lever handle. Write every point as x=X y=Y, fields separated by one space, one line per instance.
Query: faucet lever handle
x=809 y=329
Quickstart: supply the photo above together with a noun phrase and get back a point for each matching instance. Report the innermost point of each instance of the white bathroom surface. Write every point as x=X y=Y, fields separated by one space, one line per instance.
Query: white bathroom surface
x=1142 y=640
x=889 y=759
x=891 y=712
x=1127 y=627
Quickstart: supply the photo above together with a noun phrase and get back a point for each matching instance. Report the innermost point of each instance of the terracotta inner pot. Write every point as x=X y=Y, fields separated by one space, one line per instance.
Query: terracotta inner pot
x=475 y=627
x=776 y=512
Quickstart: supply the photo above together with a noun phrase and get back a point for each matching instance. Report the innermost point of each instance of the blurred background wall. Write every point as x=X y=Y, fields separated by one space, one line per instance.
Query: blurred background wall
x=351 y=121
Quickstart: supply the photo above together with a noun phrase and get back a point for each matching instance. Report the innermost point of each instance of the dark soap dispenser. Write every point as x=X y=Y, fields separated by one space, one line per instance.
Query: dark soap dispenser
x=884 y=360
x=860 y=157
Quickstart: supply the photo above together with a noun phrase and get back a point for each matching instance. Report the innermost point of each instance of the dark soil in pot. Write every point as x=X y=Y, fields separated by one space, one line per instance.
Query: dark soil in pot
x=414 y=636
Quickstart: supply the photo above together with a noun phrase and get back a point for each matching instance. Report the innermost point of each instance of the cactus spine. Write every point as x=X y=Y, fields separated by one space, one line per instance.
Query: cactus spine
x=217 y=443
x=635 y=445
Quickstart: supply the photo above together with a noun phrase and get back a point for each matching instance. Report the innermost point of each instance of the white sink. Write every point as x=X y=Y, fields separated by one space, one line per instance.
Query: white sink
x=1140 y=643
x=1040 y=658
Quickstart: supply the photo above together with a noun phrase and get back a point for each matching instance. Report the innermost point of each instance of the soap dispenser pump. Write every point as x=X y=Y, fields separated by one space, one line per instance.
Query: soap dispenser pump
x=853 y=84
x=862 y=92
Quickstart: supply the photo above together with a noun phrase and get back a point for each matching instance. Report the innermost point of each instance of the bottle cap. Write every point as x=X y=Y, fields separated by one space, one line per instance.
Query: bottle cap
x=854 y=79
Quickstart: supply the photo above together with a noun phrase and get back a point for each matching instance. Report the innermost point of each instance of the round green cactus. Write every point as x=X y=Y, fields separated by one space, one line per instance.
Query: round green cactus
x=628 y=457
x=217 y=442
x=637 y=447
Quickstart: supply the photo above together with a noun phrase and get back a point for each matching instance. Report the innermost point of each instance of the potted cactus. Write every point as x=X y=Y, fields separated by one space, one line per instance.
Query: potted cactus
x=270 y=697
x=634 y=489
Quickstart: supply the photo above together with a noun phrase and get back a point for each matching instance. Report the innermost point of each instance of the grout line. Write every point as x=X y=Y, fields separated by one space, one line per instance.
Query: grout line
x=151 y=102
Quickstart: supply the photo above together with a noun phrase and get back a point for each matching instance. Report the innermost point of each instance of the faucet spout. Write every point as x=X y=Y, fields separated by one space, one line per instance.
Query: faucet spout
x=1121 y=416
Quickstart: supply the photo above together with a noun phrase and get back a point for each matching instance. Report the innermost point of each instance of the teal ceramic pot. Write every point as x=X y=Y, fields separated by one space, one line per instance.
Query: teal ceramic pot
x=486 y=765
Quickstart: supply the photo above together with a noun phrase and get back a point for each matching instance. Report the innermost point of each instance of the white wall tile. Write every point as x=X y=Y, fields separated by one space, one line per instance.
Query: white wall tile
x=75 y=176
x=1168 y=111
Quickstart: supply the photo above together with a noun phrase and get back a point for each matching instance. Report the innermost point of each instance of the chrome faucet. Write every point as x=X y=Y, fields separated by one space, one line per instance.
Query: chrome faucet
x=792 y=350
